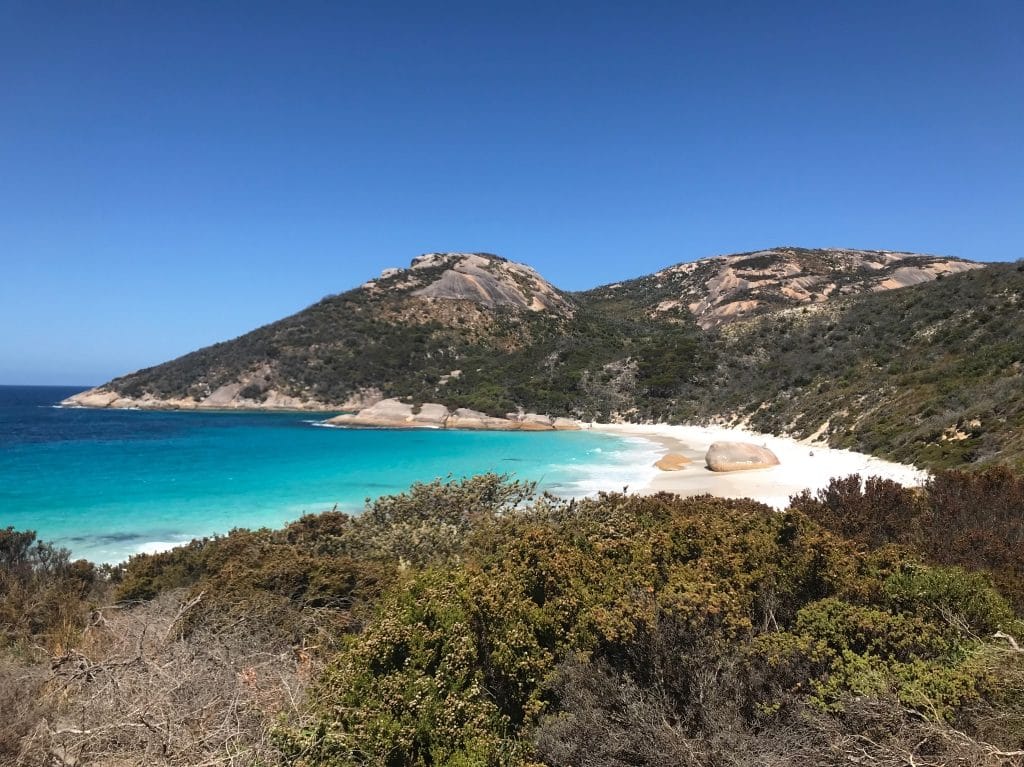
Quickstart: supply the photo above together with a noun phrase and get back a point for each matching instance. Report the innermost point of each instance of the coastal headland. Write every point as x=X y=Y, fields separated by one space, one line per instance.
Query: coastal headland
x=224 y=398
x=836 y=342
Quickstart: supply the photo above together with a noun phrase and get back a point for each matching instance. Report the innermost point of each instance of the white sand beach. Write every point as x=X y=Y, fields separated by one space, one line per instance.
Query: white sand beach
x=802 y=465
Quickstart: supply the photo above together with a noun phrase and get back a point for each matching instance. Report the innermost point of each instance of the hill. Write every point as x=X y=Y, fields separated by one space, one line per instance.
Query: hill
x=912 y=357
x=402 y=334
x=932 y=374
x=466 y=329
x=724 y=289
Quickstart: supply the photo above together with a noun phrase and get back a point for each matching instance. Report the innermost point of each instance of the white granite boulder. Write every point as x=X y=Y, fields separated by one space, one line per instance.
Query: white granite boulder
x=93 y=398
x=464 y=418
x=395 y=413
x=387 y=412
x=739 y=456
x=431 y=414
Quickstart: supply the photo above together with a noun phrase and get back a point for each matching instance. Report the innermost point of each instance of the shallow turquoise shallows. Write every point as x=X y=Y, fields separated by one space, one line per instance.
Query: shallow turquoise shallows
x=107 y=484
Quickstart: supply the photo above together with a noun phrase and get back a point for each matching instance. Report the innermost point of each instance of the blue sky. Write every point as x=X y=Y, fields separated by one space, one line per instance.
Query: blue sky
x=173 y=174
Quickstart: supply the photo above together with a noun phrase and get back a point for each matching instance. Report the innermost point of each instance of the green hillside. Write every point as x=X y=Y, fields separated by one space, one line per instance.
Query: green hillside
x=930 y=373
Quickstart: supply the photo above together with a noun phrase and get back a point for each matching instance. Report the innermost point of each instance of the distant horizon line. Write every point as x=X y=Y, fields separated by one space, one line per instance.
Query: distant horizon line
x=45 y=386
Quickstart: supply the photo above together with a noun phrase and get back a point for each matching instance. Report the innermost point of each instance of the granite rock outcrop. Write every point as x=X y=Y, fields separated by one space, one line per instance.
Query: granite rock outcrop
x=393 y=413
x=739 y=456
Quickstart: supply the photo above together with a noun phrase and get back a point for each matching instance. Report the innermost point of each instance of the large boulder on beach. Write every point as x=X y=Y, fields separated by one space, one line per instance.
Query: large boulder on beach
x=541 y=422
x=535 y=422
x=672 y=462
x=739 y=456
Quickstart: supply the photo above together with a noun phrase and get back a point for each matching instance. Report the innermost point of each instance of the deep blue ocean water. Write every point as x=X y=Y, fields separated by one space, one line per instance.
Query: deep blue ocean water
x=109 y=483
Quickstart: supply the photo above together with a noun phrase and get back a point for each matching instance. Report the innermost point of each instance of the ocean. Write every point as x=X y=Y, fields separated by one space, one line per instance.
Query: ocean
x=107 y=484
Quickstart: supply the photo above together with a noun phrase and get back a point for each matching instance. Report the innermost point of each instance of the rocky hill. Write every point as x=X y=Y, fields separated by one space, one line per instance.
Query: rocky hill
x=917 y=358
x=932 y=374
x=482 y=278
x=405 y=332
x=724 y=289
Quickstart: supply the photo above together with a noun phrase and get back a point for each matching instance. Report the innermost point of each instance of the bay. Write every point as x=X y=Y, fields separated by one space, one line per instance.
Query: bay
x=109 y=483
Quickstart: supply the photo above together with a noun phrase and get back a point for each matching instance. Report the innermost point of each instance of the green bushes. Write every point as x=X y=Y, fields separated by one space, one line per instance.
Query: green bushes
x=43 y=594
x=45 y=600
x=472 y=623
x=702 y=613
x=971 y=519
x=409 y=690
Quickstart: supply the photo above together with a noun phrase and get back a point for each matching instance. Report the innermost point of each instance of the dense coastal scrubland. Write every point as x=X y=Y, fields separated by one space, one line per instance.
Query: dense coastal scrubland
x=475 y=623
x=871 y=620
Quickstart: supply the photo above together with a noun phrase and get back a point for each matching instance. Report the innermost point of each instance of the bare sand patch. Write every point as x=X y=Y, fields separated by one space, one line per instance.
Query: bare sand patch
x=801 y=465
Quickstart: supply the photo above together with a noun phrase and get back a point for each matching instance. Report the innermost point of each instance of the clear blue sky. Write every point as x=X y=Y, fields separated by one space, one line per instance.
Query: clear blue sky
x=176 y=173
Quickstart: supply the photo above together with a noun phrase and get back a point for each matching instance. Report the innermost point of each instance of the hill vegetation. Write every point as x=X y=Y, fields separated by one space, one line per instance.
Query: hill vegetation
x=720 y=290
x=474 y=623
x=930 y=373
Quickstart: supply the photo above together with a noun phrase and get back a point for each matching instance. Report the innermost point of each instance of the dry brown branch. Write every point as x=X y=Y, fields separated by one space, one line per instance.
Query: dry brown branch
x=140 y=691
x=607 y=720
x=1013 y=642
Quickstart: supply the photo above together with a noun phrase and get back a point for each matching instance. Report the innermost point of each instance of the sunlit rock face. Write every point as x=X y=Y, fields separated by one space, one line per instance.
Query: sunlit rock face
x=724 y=289
x=482 y=278
x=739 y=456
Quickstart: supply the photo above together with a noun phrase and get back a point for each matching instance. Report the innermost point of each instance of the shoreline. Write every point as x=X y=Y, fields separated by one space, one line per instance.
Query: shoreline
x=803 y=464
x=627 y=464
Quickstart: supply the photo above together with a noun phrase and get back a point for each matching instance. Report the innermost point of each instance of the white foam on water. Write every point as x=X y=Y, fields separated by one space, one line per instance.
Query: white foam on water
x=156 y=547
x=629 y=467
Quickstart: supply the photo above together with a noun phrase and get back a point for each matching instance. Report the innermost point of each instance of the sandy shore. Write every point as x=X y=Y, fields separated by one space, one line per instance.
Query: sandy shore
x=801 y=465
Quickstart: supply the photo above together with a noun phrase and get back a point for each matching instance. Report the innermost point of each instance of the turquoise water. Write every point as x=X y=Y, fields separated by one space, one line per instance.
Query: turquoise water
x=107 y=484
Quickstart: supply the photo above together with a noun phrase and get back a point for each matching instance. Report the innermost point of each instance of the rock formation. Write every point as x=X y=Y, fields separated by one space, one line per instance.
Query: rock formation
x=482 y=278
x=464 y=418
x=224 y=398
x=672 y=462
x=739 y=456
x=393 y=413
x=723 y=289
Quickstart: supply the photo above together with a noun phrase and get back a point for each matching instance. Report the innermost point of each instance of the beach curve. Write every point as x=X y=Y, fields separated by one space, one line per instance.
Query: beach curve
x=803 y=465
